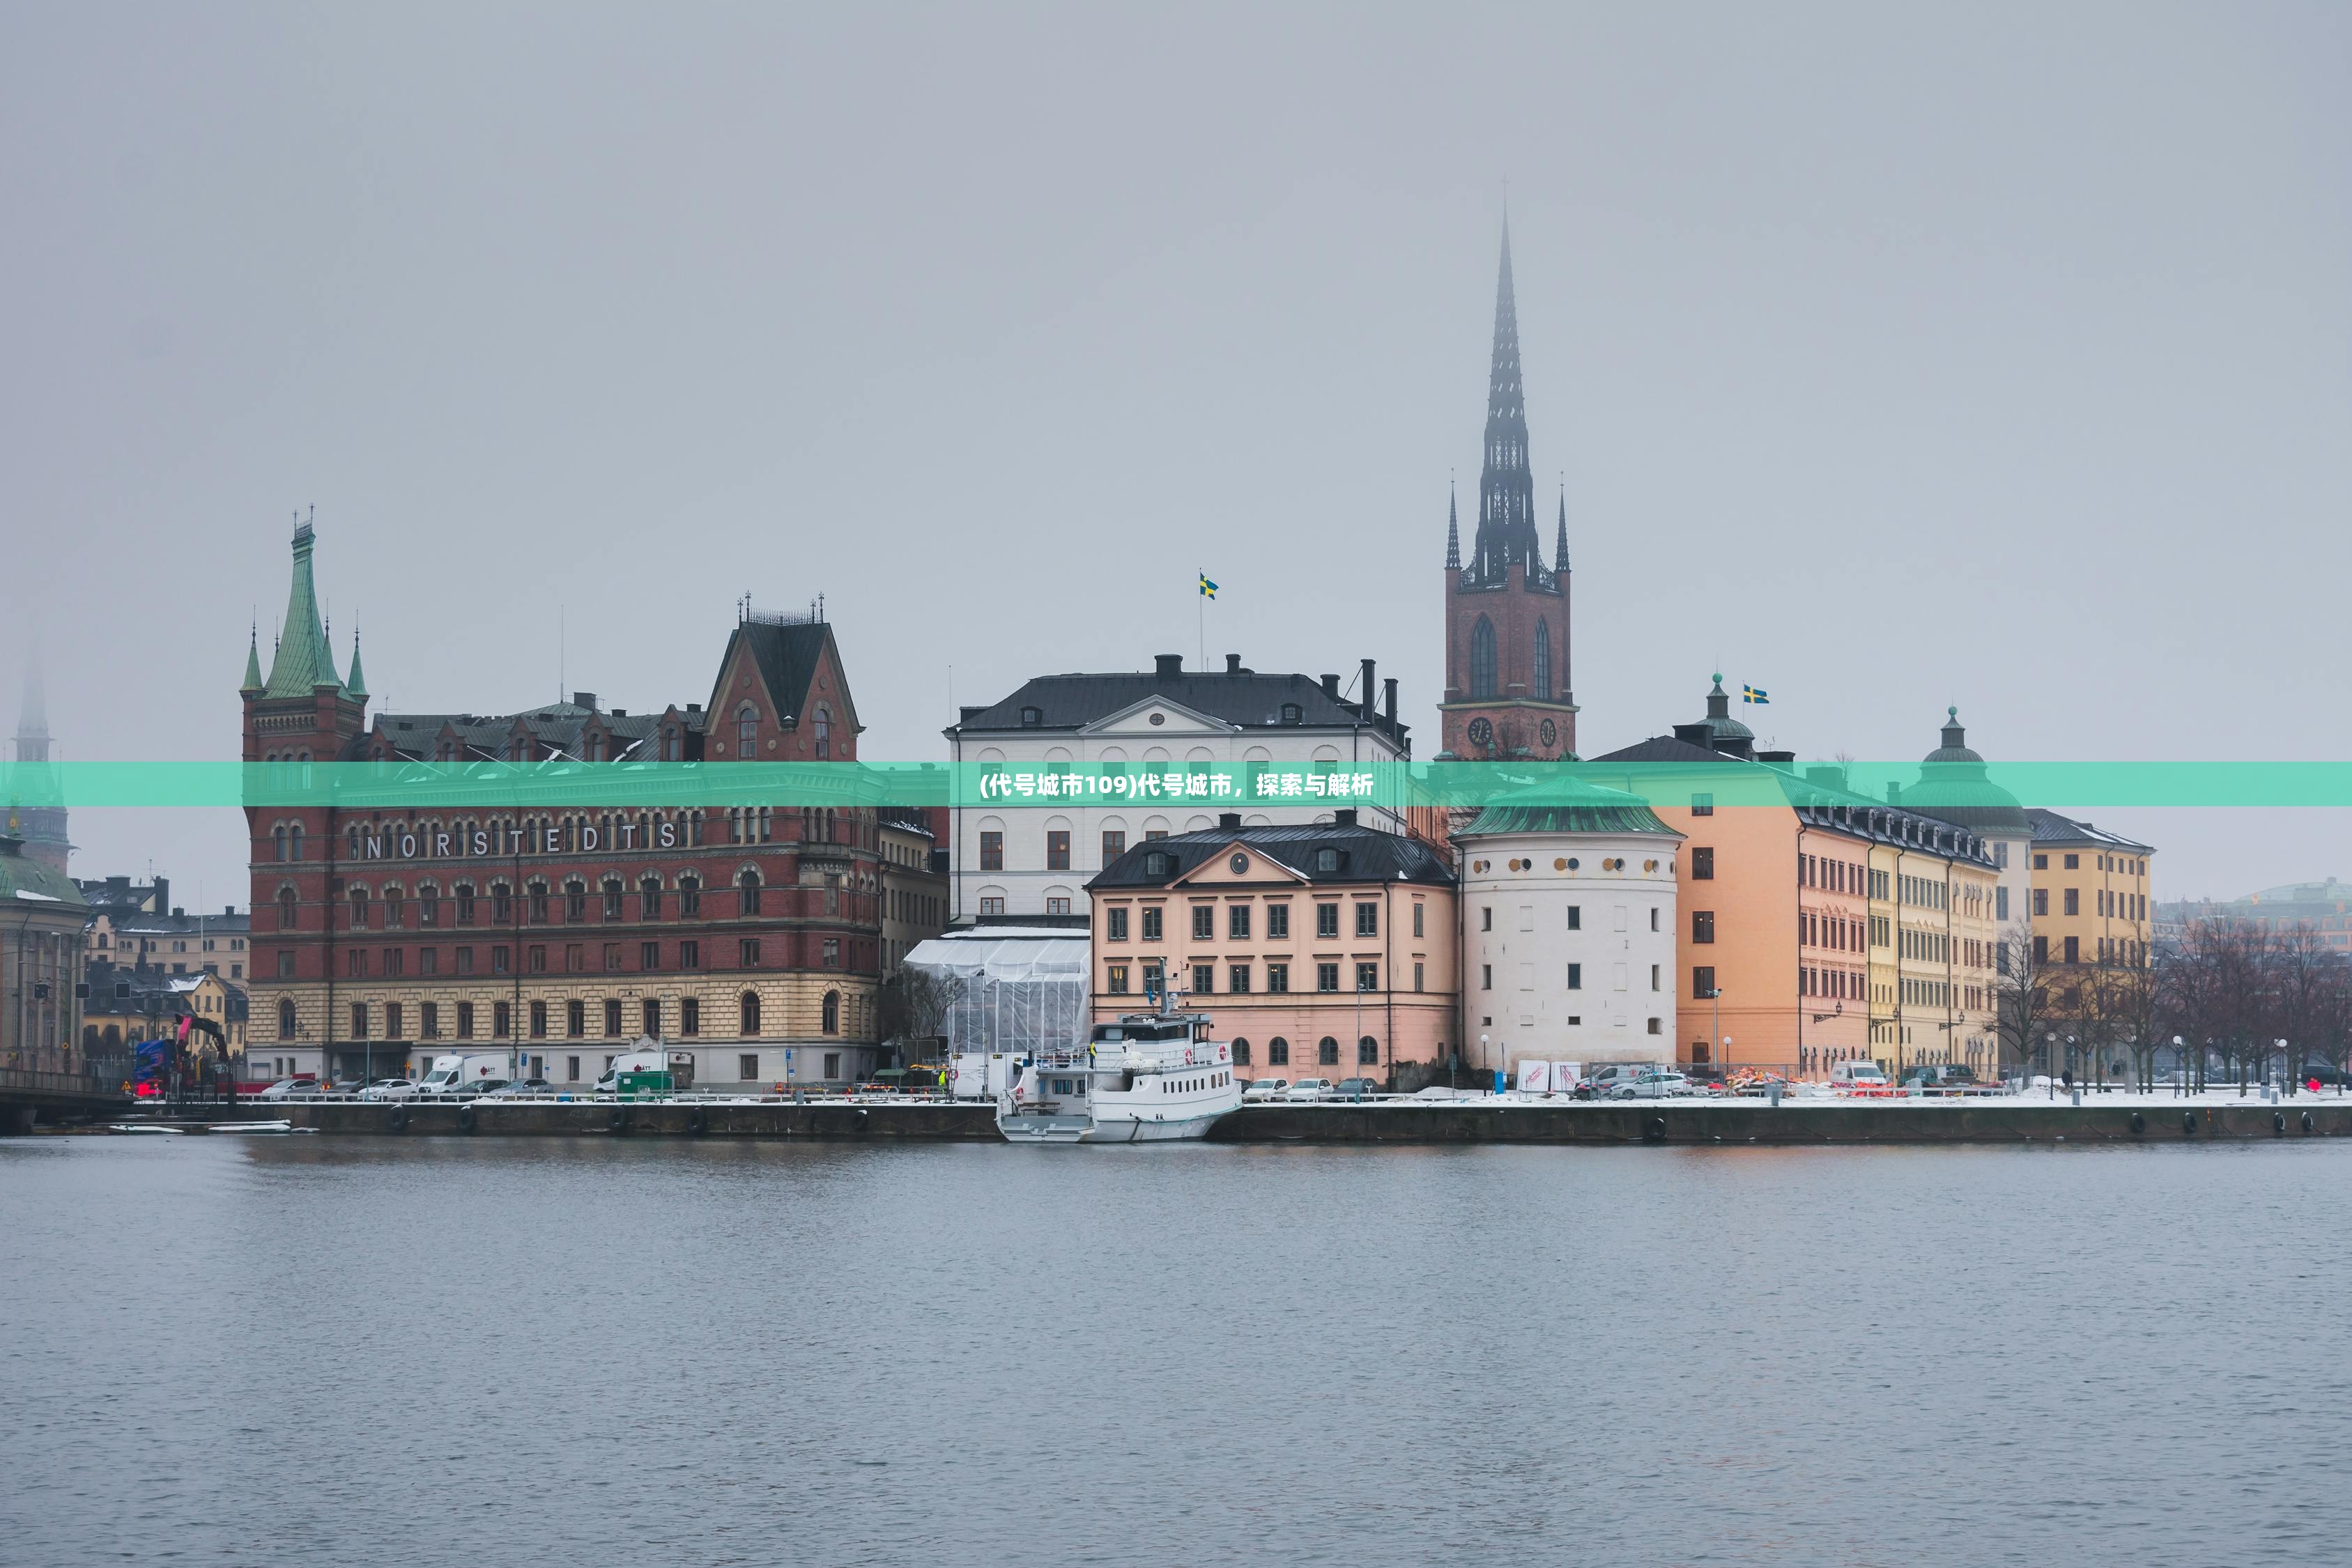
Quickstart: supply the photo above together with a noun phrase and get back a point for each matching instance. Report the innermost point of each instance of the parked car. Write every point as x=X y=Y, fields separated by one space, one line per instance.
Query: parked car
x=1356 y=1089
x=1259 y=1089
x=389 y=1088
x=1602 y=1083
x=522 y=1087
x=479 y=1087
x=1653 y=1086
x=288 y=1088
x=1310 y=1088
x=345 y=1086
x=1939 y=1075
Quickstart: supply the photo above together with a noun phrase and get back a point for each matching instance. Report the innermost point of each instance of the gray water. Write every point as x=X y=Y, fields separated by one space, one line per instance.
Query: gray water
x=299 y=1351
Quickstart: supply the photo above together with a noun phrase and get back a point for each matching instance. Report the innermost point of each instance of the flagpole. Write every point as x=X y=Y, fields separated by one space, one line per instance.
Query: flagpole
x=1201 y=617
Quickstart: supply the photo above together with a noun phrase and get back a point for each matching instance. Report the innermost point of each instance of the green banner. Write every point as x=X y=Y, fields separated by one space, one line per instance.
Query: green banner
x=1725 y=784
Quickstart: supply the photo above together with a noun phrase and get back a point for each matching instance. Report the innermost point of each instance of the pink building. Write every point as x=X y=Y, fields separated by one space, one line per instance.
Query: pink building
x=1324 y=949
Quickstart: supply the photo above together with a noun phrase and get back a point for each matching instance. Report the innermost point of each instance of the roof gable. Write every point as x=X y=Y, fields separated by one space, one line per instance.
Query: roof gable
x=1157 y=717
x=1217 y=866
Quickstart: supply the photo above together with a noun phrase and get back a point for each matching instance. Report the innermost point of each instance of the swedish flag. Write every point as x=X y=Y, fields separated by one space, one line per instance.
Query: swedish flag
x=1208 y=589
x=1753 y=694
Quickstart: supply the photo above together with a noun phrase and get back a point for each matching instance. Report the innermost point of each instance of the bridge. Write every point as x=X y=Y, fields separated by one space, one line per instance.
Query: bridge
x=26 y=1096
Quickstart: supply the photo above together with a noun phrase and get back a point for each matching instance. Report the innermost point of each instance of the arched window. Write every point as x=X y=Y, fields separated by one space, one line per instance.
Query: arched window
x=612 y=898
x=1327 y=1052
x=538 y=903
x=428 y=904
x=278 y=834
x=832 y=1012
x=294 y=842
x=1482 y=658
x=1241 y=1053
x=751 y=1014
x=359 y=909
x=649 y=899
x=1277 y=1052
x=575 y=900
x=669 y=746
x=747 y=892
x=1368 y=1052
x=824 y=731
x=746 y=730
x=1543 y=661
x=285 y=906
x=286 y=1017
x=689 y=896
x=394 y=908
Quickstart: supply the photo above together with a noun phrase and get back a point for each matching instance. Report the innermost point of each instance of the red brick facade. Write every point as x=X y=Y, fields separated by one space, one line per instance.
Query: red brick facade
x=563 y=934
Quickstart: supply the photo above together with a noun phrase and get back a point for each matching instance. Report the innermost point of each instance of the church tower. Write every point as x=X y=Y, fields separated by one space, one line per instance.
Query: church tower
x=34 y=810
x=1507 y=675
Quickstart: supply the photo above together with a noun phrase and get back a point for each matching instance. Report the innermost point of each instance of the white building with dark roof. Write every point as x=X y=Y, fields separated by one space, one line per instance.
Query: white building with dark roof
x=1032 y=863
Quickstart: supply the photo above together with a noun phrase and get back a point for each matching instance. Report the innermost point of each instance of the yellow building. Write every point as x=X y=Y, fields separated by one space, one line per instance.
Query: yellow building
x=2091 y=894
x=1932 y=953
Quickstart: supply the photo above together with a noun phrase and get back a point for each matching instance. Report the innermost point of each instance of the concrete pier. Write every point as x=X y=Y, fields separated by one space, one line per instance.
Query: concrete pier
x=1685 y=1122
x=1799 y=1122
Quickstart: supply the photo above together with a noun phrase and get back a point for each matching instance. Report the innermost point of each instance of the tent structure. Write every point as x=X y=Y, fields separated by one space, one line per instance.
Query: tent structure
x=1014 y=988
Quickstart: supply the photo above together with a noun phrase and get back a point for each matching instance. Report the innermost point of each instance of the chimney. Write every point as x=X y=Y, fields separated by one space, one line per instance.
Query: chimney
x=1234 y=664
x=230 y=912
x=178 y=913
x=1364 y=691
x=584 y=699
x=1332 y=687
x=1344 y=817
x=1387 y=700
x=1229 y=819
x=1167 y=665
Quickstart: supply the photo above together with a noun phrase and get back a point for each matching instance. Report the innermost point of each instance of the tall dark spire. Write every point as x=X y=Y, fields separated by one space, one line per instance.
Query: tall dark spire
x=1506 y=530
x=1453 y=534
x=1560 y=548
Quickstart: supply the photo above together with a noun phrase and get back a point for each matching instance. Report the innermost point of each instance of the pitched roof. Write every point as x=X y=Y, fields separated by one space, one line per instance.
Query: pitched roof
x=1239 y=697
x=303 y=659
x=788 y=657
x=1367 y=855
x=2049 y=827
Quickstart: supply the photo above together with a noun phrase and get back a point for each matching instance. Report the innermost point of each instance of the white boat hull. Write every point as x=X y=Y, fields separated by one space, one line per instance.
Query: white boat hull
x=1131 y=1130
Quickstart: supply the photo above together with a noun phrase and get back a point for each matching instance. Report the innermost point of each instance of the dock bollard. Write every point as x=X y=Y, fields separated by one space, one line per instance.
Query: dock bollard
x=1775 y=1093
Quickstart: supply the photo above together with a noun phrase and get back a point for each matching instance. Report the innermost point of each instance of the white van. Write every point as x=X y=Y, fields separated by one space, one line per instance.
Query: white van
x=460 y=1074
x=1861 y=1075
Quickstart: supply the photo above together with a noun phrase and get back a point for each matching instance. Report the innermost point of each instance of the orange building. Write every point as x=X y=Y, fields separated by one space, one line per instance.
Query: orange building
x=1775 y=901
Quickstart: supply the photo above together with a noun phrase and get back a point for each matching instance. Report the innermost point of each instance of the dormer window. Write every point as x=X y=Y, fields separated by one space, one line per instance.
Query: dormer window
x=1031 y=718
x=1292 y=713
x=1158 y=865
x=1326 y=859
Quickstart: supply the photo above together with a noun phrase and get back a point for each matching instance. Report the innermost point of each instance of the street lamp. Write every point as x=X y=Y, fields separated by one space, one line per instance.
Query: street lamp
x=2180 y=1067
x=1486 y=1061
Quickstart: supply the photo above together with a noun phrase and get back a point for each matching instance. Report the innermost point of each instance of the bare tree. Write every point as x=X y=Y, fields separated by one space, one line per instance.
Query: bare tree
x=2023 y=997
x=915 y=1002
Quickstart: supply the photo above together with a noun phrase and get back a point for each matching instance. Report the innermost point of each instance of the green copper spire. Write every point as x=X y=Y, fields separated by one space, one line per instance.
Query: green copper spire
x=355 y=685
x=252 y=681
x=304 y=660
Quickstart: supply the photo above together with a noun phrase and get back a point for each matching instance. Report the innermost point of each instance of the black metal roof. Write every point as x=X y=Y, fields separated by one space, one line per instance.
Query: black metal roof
x=1241 y=698
x=1366 y=855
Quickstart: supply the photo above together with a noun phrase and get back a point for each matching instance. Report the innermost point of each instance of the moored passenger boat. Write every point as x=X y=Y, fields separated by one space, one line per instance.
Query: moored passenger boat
x=1150 y=1077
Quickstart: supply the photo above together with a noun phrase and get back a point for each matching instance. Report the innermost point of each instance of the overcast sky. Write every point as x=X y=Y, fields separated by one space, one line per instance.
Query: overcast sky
x=1893 y=358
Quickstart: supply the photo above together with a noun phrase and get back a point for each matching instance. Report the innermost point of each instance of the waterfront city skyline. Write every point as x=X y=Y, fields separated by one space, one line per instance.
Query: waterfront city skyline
x=2008 y=428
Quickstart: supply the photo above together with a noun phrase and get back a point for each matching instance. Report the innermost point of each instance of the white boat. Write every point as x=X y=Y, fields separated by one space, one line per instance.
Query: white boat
x=1150 y=1078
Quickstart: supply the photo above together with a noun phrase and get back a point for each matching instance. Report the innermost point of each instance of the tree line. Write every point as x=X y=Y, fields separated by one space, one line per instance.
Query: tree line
x=2240 y=998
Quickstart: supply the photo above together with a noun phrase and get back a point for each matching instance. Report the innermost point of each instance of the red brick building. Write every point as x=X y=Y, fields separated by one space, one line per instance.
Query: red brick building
x=1508 y=693
x=748 y=933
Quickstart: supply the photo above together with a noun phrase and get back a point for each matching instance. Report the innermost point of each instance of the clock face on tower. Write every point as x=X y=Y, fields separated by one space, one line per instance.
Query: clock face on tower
x=1550 y=732
x=1481 y=732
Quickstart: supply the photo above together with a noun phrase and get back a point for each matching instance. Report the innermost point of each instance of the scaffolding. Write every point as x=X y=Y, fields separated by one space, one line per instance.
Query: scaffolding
x=1011 y=988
